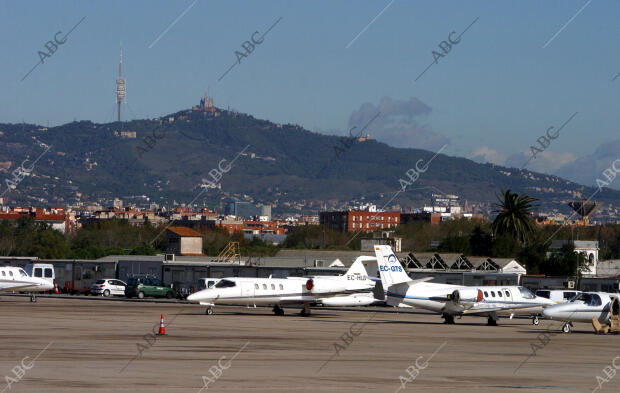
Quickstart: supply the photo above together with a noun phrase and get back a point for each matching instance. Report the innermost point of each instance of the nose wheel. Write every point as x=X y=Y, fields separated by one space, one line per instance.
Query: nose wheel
x=33 y=298
x=566 y=328
x=209 y=311
x=535 y=320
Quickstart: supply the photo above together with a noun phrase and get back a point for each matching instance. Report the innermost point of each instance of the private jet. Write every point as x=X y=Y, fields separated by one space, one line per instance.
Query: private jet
x=15 y=279
x=354 y=288
x=454 y=300
x=584 y=307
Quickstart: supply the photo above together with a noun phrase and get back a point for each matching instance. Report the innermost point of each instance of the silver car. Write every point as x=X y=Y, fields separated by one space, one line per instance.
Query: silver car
x=107 y=287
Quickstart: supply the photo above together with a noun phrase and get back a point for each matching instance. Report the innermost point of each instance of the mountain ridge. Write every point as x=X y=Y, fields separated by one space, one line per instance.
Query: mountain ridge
x=285 y=165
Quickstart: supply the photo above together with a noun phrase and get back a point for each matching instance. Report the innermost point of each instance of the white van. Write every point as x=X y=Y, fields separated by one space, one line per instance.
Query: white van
x=41 y=270
x=558 y=295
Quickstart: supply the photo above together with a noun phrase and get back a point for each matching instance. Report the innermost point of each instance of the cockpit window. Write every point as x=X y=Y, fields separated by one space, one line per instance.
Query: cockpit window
x=526 y=293
x=225 y=284
x=23 y=273
x=589 y=299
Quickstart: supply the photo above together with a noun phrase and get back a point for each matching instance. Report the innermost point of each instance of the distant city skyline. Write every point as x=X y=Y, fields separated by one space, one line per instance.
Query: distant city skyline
x=520 y=69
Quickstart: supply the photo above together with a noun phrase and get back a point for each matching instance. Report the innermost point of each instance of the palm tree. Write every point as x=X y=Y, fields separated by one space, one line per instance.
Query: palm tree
x=513 y=215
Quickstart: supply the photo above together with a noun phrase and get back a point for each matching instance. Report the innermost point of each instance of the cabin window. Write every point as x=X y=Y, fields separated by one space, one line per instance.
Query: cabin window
x=281 y=287
x=265 y=286
x=507 y=293
x=486 y=294
x=3 y=274
x=256 y=286
x=10 y=273
x=499 y=293
x=273 y=286
x=492 y=293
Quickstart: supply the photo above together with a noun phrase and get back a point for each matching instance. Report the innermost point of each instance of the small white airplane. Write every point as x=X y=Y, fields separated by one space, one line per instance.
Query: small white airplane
x=16 y=279
x=582 y=308
x=450 y=300
x=354 y=288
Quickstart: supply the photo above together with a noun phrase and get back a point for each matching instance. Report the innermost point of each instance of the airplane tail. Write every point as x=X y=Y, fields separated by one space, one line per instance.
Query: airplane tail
x=390 y=269
x=357 y=268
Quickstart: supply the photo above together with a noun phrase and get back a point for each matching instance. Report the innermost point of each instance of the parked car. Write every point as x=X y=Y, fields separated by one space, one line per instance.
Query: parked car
x=145 y=286
x=107 y=287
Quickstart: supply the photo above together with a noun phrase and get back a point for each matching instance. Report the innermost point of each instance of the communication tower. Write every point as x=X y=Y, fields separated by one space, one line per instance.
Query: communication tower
x=120 y=86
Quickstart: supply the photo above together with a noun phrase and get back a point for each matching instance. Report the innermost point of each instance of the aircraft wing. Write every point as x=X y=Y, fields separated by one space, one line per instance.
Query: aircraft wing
x=471 y=310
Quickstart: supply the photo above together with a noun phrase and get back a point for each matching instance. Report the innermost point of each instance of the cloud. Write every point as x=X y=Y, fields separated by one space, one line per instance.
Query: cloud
x=485 y=154
x=399 y=124
x=585 y=170
x=545 y=162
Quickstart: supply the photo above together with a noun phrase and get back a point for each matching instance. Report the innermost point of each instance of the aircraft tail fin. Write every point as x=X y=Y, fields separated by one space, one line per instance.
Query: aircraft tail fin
x=390 y=268
x=357 y=268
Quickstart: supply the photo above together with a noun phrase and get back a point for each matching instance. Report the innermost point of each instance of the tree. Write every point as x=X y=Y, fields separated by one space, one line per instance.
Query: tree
x=513 y=216
x=480 y=242
x=564 y=262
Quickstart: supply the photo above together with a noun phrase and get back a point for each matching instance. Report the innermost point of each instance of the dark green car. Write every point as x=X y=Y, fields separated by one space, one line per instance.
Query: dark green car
x=145 y=286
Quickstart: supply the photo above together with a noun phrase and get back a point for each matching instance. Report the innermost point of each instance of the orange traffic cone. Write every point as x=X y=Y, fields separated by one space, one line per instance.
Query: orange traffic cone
x=56 y=291
x=162 y=328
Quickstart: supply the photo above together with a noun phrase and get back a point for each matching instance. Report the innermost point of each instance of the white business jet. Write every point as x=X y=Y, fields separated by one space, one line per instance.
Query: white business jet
x=15 y=279
x=353 y=288
x=450 y=300
x=584 y=307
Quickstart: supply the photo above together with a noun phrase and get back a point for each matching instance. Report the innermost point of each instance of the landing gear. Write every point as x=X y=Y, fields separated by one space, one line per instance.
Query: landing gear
x=33 y=298
x=305 y=311
x=448 y=319
x=535 y=320
x=209 y=311
x=567 y=327
x=277 y=310
x=491 y=321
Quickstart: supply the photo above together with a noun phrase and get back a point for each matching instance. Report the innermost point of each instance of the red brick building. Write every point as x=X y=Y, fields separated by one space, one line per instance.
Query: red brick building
x=353 y=220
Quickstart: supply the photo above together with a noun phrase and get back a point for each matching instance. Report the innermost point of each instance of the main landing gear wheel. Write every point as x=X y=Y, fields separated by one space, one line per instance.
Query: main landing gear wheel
x=535 y=320
x=491 y=322
x=305 y=312
x=209 y=311
x=33 y=298
x=566 y=327
x=277 y=310
x=448 y=319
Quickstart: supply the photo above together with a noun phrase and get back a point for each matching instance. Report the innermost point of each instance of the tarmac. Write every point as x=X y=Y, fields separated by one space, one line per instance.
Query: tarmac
x=76 y=345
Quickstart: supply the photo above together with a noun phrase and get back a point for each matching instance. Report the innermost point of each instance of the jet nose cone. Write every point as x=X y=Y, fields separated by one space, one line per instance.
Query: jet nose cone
x=193 y=297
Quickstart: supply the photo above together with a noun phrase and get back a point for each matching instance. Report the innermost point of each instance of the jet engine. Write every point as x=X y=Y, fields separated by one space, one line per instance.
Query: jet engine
x=317 y=286
x=467 y=295
x=351 y=300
